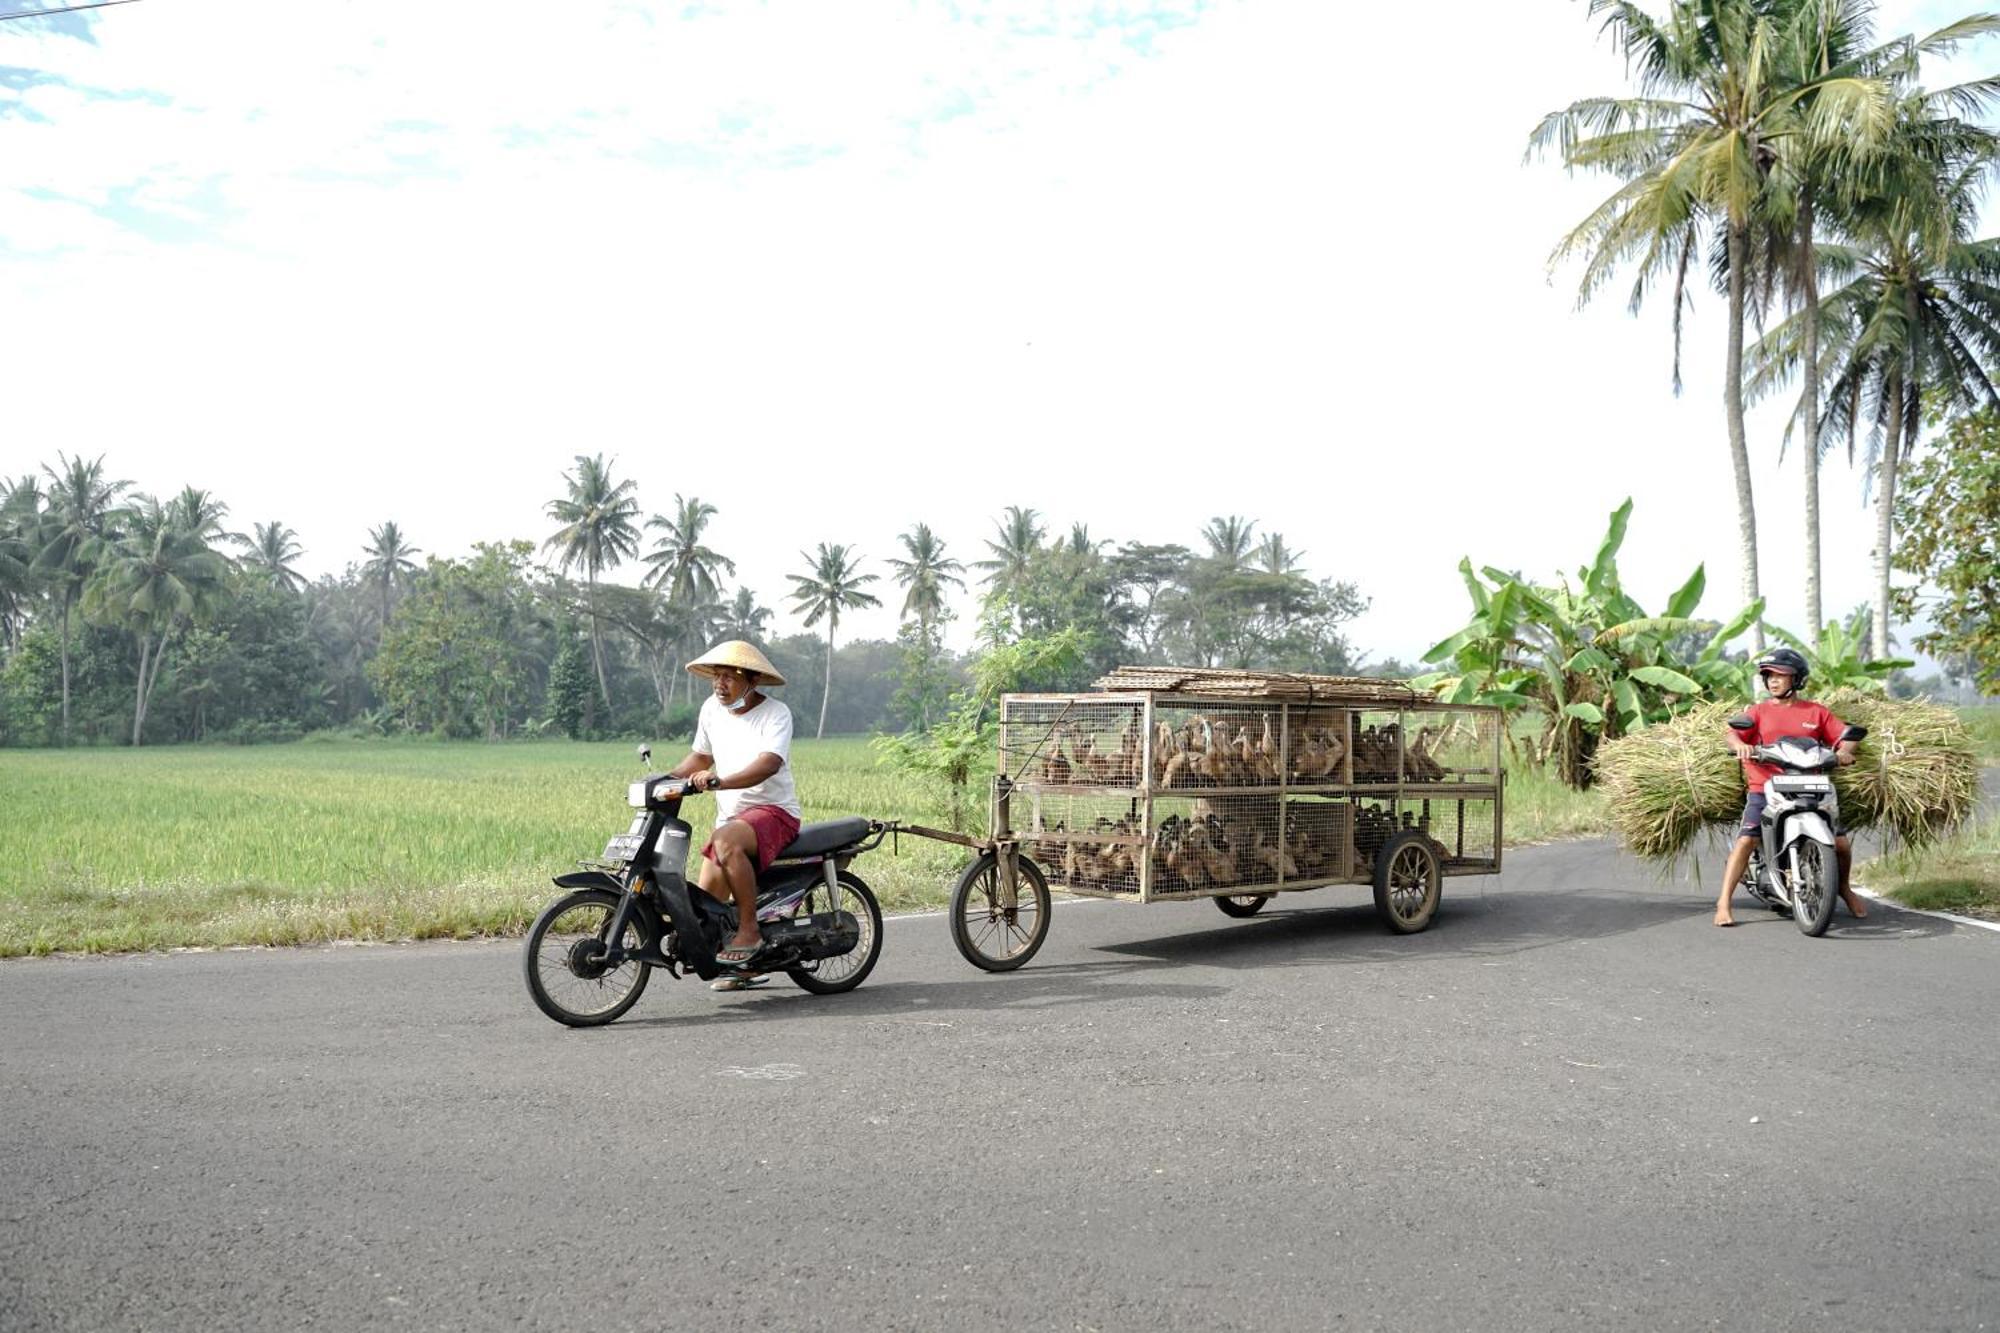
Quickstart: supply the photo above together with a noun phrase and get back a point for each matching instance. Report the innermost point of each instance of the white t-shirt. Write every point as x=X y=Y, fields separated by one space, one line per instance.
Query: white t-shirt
x=735 y=740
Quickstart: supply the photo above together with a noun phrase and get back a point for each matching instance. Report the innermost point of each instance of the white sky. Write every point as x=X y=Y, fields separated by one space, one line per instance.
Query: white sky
x=836 y=268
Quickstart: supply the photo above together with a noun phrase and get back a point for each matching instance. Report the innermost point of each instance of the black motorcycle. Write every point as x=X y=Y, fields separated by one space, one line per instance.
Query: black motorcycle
x=591 y=951
x=1793 y=868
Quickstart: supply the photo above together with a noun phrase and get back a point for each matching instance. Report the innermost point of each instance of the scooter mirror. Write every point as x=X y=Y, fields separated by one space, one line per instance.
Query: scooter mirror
x=1741 y=722
x=645 y=754
x=1854 y=733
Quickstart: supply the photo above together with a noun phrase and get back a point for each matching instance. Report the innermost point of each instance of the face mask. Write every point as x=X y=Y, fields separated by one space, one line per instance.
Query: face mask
x=740 y=706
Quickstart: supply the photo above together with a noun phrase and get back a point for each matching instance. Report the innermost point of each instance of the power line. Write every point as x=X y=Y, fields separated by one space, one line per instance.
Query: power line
x=66 y=9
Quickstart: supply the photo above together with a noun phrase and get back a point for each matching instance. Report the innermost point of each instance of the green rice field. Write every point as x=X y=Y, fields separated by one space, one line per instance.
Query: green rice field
x=107 y=850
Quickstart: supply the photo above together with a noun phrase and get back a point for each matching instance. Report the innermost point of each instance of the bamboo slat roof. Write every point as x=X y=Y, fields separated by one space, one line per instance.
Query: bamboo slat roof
x=1277 y=686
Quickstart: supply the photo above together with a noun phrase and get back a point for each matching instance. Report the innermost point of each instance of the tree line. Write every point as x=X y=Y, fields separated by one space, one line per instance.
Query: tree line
x=133 y=618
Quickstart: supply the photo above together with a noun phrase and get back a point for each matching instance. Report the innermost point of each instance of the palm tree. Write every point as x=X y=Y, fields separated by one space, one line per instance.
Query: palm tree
x=79 y=519
x=1818 y=177
x=157 y=575
x=1696 y=151
x=744 y=619
x=1917 y=317
x=271 y=554
x=681 y=564
x=199 y=512
x=597 y=532
x=21 y=525
x=833 y=586
x=1020 y=534
x=925 y=574
x=1274 y=557
x=389 y=563
x=1229 y=542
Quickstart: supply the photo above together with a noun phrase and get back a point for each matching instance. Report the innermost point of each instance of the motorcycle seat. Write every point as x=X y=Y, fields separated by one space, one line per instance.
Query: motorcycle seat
x=831 y=836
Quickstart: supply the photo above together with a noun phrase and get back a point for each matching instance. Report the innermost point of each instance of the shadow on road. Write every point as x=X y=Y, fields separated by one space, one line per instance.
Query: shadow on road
x=1032 y=987
x=1489 y=926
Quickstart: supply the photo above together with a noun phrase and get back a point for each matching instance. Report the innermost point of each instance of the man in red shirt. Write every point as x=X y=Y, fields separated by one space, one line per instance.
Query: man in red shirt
x=1782 y=671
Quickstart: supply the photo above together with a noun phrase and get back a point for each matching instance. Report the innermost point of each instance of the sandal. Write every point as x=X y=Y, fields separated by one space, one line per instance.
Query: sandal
x=739 y=981
x=738 y=955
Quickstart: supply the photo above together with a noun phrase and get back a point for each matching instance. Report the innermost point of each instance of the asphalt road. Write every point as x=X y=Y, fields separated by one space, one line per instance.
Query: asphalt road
x=1571 y=1104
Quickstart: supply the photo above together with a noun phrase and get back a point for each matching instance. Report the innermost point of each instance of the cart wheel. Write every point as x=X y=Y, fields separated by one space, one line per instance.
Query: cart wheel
x=992 y=937
x=1408 y=882
x=1243 y=904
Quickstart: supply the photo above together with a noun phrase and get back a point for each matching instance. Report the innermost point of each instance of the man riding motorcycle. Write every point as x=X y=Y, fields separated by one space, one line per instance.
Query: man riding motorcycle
x=1783 y=672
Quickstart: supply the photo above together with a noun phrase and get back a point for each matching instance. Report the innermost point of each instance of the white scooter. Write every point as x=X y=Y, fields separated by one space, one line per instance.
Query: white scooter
x=1793 y=866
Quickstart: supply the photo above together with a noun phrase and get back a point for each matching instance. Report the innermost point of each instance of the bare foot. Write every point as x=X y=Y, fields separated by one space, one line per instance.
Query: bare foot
x=1723 y=917
x=1854 y=905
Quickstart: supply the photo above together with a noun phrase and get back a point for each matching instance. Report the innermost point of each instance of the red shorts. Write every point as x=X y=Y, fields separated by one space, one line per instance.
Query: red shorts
x=774 y=826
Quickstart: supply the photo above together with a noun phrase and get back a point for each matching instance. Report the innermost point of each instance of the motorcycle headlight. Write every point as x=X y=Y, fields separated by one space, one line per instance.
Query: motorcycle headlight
x=635 y=796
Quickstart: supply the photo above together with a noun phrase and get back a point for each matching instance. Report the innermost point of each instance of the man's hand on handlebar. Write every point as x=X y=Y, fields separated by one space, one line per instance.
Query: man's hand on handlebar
x=1741 y=748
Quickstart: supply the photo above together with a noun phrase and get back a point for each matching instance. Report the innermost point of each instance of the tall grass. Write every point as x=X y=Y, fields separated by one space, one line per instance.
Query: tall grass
x=205 y=846
x=1958 y=874
x=288 y=844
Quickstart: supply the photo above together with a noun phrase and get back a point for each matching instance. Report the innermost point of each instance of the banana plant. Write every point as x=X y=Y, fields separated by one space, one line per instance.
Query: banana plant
x=1585 y=656
x=1840 y=655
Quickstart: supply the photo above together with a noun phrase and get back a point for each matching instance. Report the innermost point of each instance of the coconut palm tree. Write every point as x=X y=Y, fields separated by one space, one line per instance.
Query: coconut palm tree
x=81 y=509
x=1020 y=533
x=1229 y=542
x=1274 y=557
x=681 y=564
x=832 y=586
x=1696 y=151
x=21 y=525
x=925 y=574
x=1916 y=318
x=1817 y=177
x=597 y=533
x=199 y=512
x=389 y=564
x=744 y=619
x=271 y=553
x=159 y=574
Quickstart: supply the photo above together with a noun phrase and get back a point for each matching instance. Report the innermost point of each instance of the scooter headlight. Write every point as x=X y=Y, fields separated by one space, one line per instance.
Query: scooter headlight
x=635 y=796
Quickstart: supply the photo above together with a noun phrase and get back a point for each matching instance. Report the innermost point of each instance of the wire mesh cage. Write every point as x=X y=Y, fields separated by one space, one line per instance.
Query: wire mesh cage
x=1252 y=785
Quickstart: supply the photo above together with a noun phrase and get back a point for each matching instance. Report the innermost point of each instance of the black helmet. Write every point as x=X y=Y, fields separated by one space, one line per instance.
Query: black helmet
x=1786 y=659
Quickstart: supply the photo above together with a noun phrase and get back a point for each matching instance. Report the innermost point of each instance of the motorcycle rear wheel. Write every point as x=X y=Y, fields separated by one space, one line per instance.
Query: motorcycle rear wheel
x=1812 y=895
x=563 y=979
x=831 y=976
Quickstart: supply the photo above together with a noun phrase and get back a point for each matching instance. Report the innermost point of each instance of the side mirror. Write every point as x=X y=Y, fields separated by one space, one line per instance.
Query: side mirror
x=1741 y=722
x=645 y=754
x=1853 y=733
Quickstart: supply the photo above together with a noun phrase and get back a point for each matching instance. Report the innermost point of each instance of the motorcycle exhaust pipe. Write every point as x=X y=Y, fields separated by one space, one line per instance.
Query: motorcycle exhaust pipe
x=823 y=935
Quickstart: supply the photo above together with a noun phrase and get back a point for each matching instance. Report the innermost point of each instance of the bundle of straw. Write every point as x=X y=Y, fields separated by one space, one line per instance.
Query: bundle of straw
x=1916 y=772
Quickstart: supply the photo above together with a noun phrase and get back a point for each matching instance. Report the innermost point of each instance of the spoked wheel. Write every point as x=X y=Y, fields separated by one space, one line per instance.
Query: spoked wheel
x=830 y=976
x=1408 y=882
x=1812 y=893
x=1243 y=904
x=564 y=960
x=990 y=935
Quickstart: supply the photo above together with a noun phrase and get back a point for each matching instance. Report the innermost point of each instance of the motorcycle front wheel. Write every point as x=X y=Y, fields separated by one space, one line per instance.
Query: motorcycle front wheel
x=564 y=960
x=1812 y=893
x=831 y=976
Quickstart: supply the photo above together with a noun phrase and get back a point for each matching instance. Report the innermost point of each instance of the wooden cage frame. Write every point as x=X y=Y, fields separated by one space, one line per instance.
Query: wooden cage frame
x=1026 y=794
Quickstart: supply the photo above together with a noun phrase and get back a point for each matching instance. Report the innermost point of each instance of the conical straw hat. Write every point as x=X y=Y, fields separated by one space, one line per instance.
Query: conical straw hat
x=743 y=656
